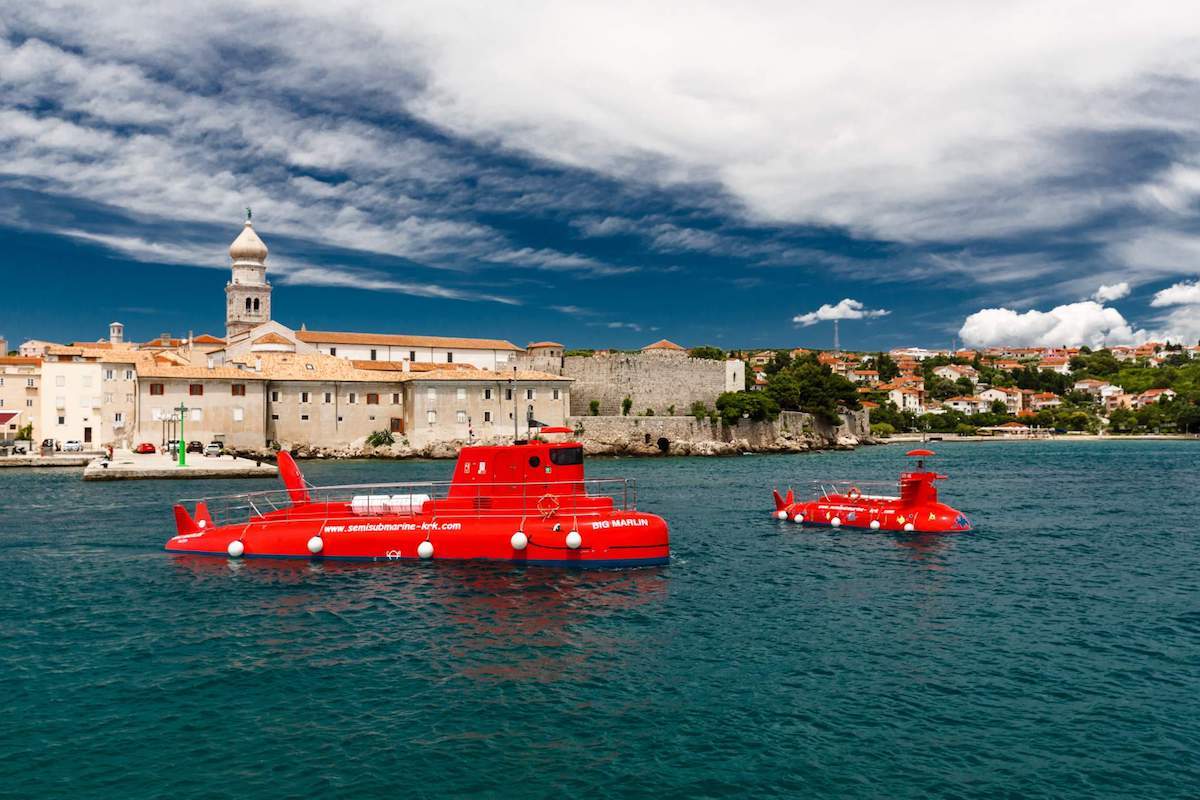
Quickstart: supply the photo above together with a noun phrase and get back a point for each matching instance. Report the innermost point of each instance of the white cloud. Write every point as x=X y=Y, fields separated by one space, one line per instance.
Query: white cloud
x=1074 y=324
x=1179 y=294
x=1107 y=293
x=846 y=309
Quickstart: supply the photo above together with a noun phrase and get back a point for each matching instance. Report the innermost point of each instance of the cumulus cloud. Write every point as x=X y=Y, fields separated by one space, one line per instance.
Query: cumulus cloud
x=1180 y=294
x=846 y=309
x=1074 y=324
x=1107 y=293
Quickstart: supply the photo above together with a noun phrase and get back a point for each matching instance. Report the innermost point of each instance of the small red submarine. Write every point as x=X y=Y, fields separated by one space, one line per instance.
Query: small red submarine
x=917 y=508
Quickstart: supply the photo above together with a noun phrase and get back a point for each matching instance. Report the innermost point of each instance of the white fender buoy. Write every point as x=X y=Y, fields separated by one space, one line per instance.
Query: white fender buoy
x=202 y=523
x=799 y=517
x=236 y=548
x=836 y=522
x=315 y=545
x=519 y=540
x=574 y=540
x=781 y=515
x=908 y=526
x=874 y=524
x=425 y=549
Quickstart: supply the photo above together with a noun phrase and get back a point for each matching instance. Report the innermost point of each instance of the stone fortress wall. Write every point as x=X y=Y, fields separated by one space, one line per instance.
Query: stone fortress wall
x=652 y=379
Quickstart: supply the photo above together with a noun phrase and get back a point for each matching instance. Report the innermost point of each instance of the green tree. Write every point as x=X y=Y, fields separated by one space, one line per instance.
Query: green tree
x=756 y=406
x=626 y=404
x=381 y=439
x=707 y=351
x=886 y=366
x=699 y=410
x=594 y=407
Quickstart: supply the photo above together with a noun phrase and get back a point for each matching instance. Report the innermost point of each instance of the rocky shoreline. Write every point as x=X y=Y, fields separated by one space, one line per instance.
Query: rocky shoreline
x=793 y=432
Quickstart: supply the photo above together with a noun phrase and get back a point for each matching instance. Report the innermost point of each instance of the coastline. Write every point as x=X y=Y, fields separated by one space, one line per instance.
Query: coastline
x=1082 y=437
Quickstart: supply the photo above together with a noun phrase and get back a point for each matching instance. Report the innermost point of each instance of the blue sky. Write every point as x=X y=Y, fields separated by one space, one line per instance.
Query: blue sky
x=608 y=176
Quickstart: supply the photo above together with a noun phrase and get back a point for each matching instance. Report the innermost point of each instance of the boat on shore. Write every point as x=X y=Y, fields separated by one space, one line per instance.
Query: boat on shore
x=916 y=508
x=527 y=502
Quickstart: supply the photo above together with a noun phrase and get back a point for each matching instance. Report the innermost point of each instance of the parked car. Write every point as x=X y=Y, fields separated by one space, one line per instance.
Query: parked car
x=195 y=447
x=72 y=446
x=169 y=447
x=214 y=449
x=145 y=447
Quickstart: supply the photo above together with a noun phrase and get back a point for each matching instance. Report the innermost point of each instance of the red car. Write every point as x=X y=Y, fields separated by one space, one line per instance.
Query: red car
x=144 y=447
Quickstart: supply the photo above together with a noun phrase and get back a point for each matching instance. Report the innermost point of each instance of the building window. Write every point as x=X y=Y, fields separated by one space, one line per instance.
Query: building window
x=412 y=355
x=431 y=416
x=555 y=394
x=196 y=389
x=460 y=417
x=156 y=388
x=395 y=398
x=487 y=394
x=238 y=389
x=333 y=351
x=29 y=403
x=108 y=397
x=460 y=394
x=256 y=304
x=329 y=397
x=128 y=374
x=353 y=398
x=449 y=357
x=274 y=416
x=487 y=416
x=373 y=354
x=109 y=375
x=304 y=397
x=372 y=399
x=238 y=414
x=431 y=395
x=304 y=417
x=118 y=417
x=530 y=394
x=197 y=414
x=28 y=382
x=508 y=394
x=275 y=396
x=60 y=380
x=63 y=420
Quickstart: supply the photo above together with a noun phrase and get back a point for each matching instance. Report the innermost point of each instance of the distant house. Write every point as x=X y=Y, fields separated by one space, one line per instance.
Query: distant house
x=867 y=376
x=965 y=404
x=1059 y=364
x=1152 y=396
x=761 y=359
x=906 y=398
x=1011 y=397
x=1096 y=388
x=1042 y=400
x=1008 y=364
x=952 y=372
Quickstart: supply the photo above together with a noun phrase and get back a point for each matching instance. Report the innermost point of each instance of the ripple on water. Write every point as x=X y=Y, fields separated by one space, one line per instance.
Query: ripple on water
x=1051 y=653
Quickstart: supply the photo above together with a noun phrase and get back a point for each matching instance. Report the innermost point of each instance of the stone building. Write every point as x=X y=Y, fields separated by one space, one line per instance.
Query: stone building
x=88 y=394
x=222 y=404
x=661 y=377
x=20 y=379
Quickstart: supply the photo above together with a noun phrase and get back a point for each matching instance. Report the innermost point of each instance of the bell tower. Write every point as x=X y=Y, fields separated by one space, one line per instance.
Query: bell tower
x=247 y=295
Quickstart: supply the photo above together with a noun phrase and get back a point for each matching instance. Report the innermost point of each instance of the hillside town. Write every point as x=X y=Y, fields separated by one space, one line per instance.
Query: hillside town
x=1012 y=391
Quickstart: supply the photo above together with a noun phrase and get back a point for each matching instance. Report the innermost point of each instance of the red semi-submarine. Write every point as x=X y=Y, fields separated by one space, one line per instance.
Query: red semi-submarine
x=917 y=508
x=526 y=502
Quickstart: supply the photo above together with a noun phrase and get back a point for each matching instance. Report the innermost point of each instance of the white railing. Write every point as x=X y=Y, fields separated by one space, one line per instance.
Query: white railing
x=358 y=501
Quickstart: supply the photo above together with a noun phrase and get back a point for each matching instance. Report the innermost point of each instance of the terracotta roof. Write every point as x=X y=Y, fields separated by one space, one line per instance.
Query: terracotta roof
x=402 y=340
x=21 y=361
x=413 y=366
x=124 y=355
x=486 y=375
x=271 y=338
x=662 y=344
x=543 y=344
x=206 y=338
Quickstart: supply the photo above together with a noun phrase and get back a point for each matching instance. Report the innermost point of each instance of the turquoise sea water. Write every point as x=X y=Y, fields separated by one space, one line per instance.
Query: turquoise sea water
x=1054 y=652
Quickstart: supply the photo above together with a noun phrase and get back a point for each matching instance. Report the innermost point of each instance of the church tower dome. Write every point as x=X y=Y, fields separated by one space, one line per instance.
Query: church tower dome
x=247 y=246
x=247 y=295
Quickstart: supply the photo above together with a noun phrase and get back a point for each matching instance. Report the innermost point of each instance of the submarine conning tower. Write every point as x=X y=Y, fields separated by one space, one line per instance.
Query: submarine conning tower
x=916 y=485
x=524 y=468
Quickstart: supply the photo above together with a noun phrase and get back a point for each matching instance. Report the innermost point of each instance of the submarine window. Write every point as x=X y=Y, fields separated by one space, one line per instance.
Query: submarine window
x=534 y=461
x=663 y=444
x=567 y=456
